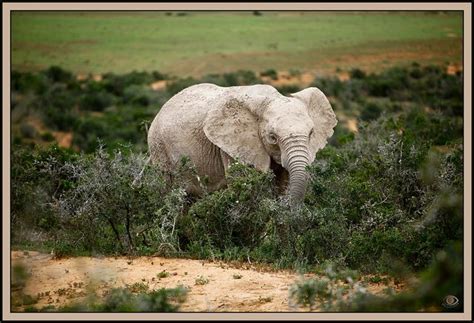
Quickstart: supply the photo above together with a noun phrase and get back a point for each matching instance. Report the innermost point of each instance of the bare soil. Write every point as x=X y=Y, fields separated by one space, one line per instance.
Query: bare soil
x=322 y=62
x=230 y=287
x=285 y=78
x=63 y=138
x=158 y=85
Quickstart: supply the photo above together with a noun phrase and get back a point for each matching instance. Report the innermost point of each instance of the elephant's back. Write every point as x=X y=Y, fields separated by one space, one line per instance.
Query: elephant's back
x=197 y=98
x=193 y=103
x=187 y=107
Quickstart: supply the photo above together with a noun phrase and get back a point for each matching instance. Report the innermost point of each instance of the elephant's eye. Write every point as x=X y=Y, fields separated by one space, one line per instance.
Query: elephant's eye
x=272 y=139
x=311 y=133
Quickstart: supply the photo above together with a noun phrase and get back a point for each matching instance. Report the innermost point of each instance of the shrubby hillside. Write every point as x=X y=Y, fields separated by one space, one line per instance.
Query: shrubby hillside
x=384 y=197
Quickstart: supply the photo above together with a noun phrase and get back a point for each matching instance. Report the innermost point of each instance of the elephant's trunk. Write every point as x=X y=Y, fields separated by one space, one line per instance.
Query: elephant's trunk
x=295 y=159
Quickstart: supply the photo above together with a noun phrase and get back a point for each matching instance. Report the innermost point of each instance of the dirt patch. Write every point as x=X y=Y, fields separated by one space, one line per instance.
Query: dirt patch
x=64 y=139
x=453 y=69
x=82 y=42
x=225 y=287
x=84 y=77
x=41 y=47
x=158 y=85
x=444 y=148
x=36 y=123
x=351 y=124
x=374 y=60
x=343 y=76
x=285 y=78
x=348 y=122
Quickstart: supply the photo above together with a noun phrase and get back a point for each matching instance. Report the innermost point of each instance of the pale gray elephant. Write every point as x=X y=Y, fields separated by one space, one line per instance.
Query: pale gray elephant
x=213 y=126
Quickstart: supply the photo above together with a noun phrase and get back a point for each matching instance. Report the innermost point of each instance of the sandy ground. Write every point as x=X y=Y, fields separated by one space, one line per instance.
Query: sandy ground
x=230 y=289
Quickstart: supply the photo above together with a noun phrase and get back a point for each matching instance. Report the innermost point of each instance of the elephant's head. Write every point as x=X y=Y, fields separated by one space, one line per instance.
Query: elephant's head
x=258 y=127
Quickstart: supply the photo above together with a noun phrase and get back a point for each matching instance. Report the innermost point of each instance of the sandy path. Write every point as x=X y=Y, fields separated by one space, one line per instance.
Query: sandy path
x=59 y=282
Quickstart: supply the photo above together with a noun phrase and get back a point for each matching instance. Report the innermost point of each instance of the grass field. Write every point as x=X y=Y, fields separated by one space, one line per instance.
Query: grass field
x=198 y=43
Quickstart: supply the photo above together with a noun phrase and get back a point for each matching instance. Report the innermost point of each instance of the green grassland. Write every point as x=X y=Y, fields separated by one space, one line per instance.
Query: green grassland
x=196 y=43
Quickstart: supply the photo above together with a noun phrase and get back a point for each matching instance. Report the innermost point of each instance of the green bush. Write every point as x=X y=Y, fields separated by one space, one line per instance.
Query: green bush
x=120 y=300
x=96 y=101
x=57 y=74
x=107 y=208
x=341 y=136
x=307 y=292
x=356 y=73
x=40 y=176
x=370 y=112
x=159 y=301
x=241 y=77
x=270 y=73
x=174 y=87
x=139 y=95
x=158 y=76
x=116 y=84
x=29 y=82
x=56 y=106
x=288 y=89
x=28 y=131
x=234 y=216
x=136 y=95
x=428 y=85
x=47 y=136
x=87 y=133
x=238 y=78
x=441 y=279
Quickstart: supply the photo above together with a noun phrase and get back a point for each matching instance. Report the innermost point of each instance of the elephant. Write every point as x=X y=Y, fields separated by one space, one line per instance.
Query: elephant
x=215 y=126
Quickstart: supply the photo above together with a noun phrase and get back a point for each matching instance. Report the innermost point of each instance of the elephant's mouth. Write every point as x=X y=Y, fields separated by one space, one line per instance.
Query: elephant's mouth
x=281 y=176
x=277 y=159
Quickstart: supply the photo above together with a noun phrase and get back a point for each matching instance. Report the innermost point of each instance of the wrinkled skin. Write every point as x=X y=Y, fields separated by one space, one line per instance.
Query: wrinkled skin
x=214 y=126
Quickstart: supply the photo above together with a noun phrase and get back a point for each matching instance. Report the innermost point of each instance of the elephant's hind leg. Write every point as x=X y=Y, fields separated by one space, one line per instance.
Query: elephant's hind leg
x=159 y=158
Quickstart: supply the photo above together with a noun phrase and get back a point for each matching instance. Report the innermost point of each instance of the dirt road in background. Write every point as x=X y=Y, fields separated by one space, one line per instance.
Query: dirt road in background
x=229 y=289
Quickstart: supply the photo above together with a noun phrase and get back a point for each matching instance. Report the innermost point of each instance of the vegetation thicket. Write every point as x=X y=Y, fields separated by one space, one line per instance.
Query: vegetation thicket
x=387 y=199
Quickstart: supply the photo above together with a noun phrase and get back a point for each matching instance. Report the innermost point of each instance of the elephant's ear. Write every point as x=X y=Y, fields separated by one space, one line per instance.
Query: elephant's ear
x=323 y=116
x=234 y=129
